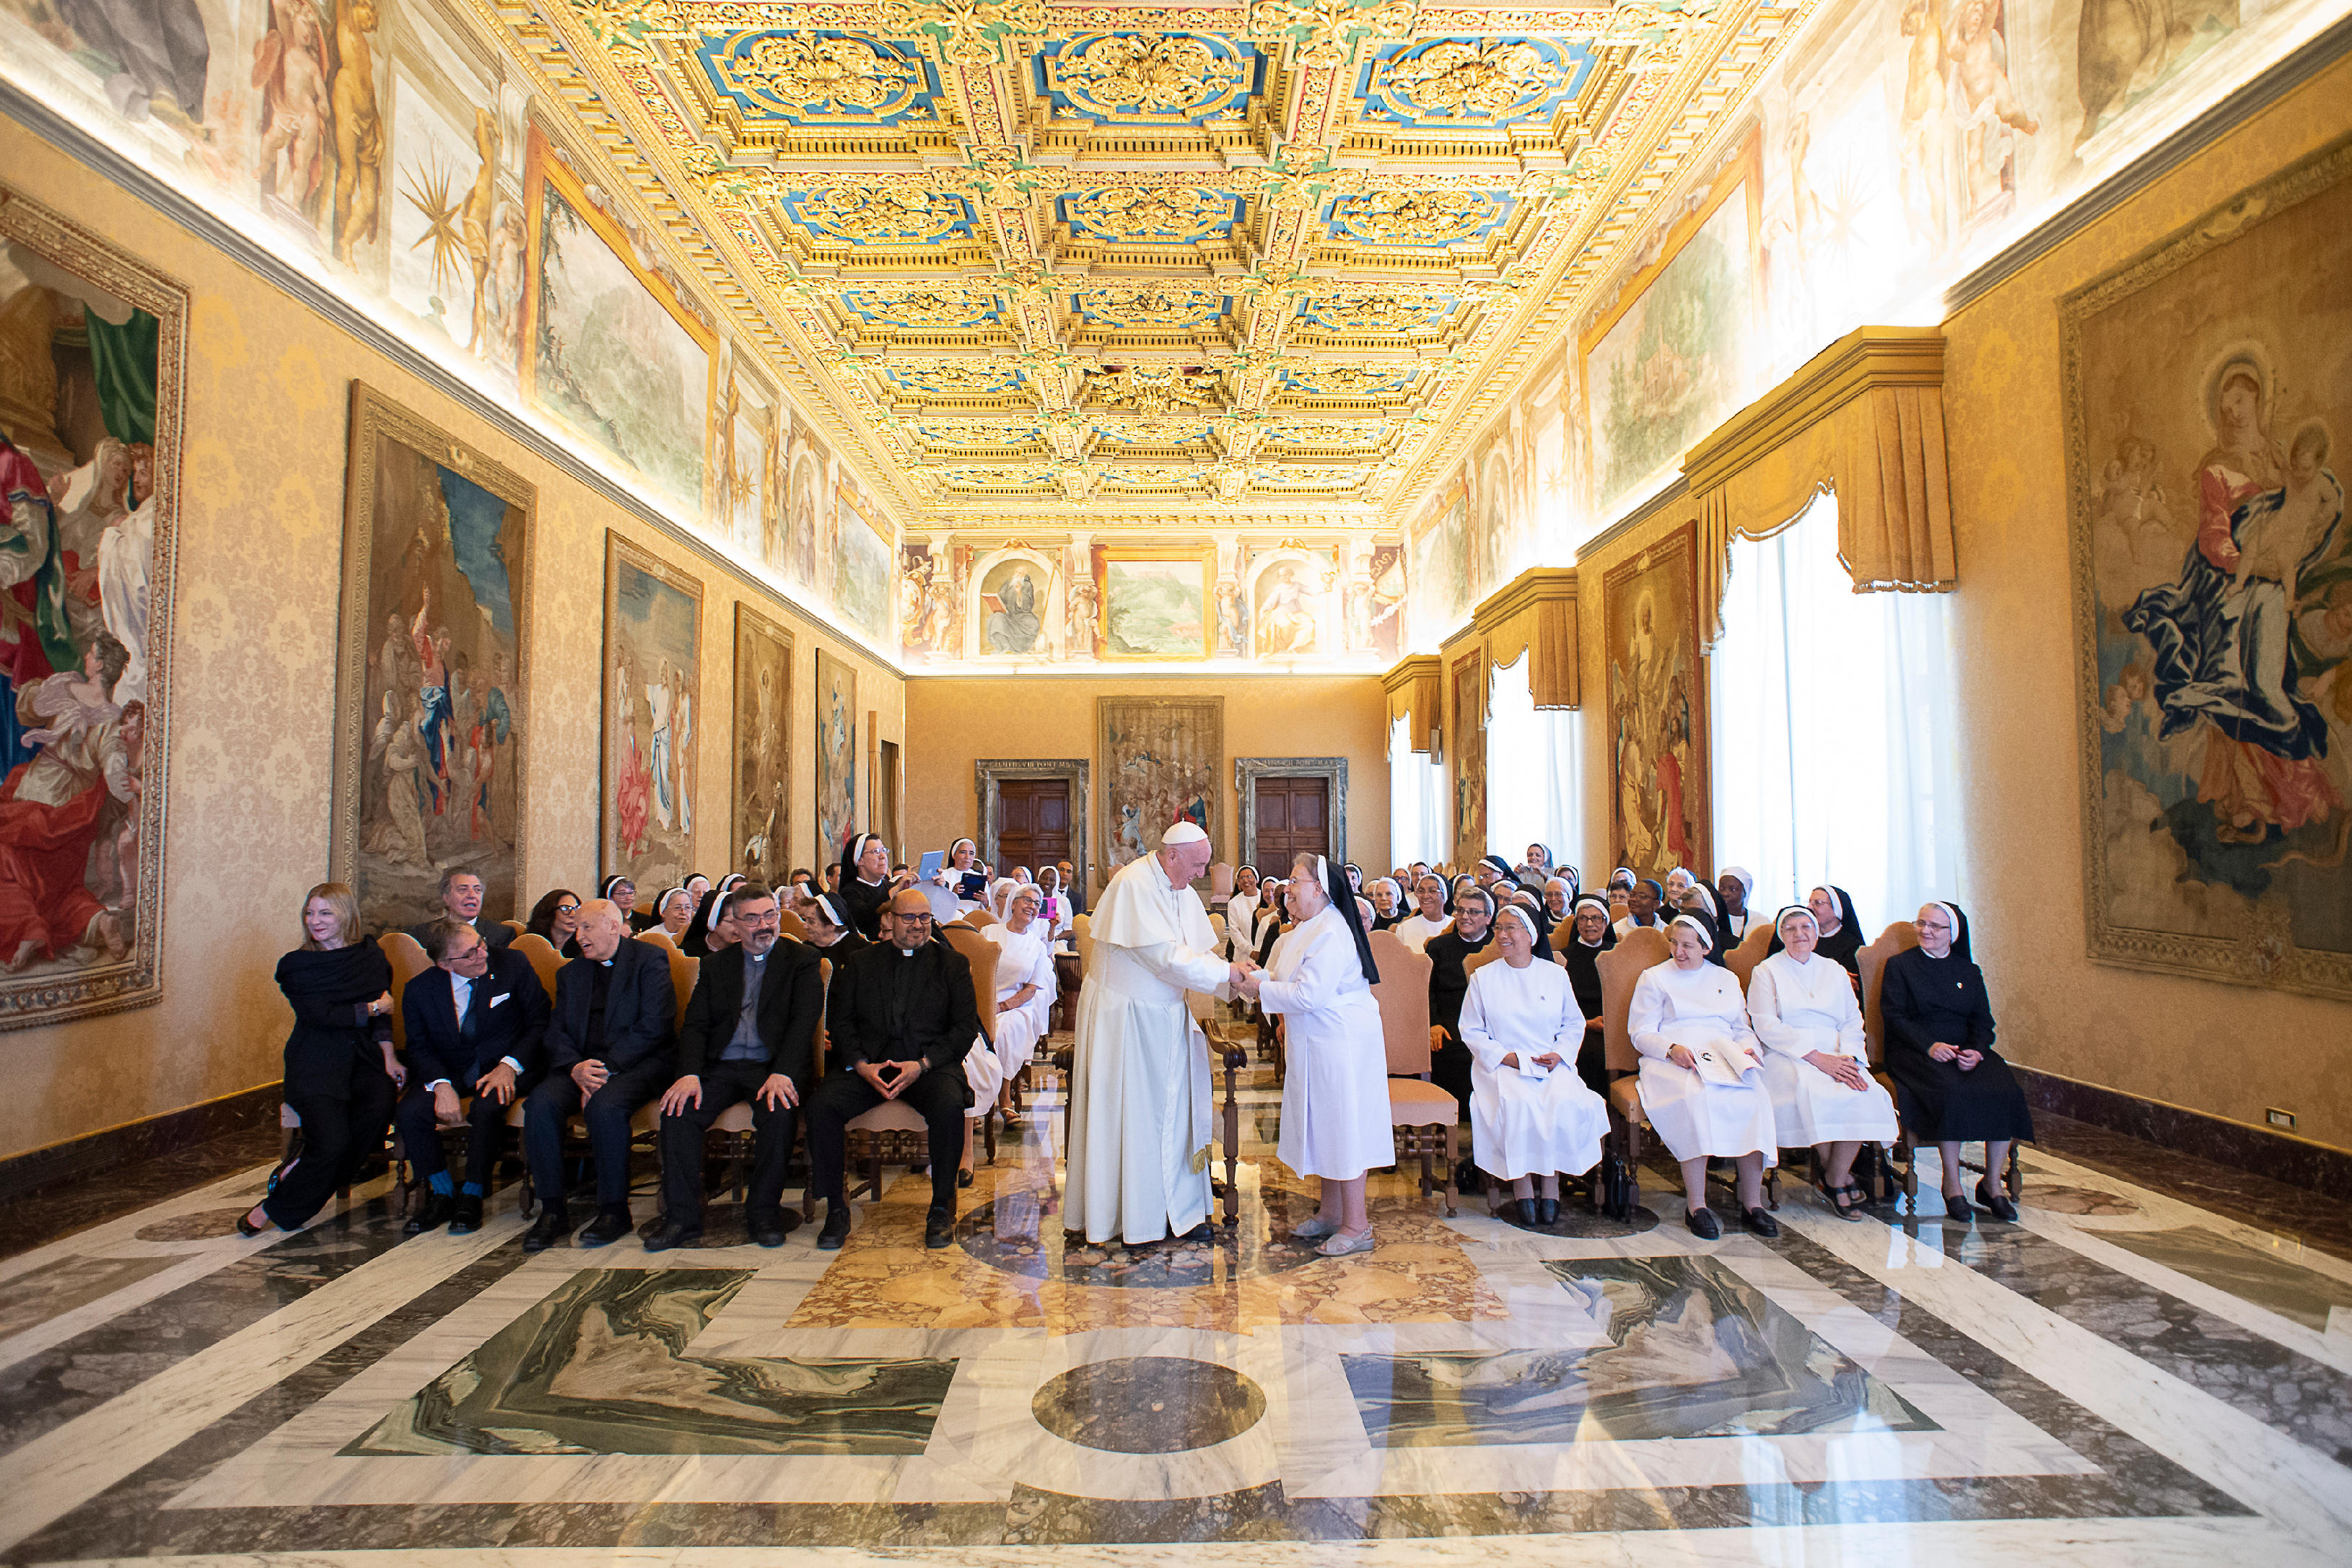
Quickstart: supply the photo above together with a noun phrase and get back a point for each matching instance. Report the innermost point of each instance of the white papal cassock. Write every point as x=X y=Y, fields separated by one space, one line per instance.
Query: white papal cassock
x=1524 y=1125
x=1024 y=960
x=1335 y=1093
x=1699 y=1008
x=1138 y=1121
x=1803 y=1008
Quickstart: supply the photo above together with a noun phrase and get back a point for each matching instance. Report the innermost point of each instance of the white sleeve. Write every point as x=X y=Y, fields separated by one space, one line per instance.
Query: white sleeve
x=1042 y=976
x=1567 y=1039
x=1764 y=1012
x=1852 y=1039
x=1485 y=1049
x=1735 y=1023
x=1648 y=1011
x=1177 y=965
x=1316 y=984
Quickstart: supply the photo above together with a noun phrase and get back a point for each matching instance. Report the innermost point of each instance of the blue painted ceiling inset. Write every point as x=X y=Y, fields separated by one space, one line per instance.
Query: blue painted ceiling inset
x=1416 y=220
x=1453 y=84
x=821 y=79
x=863 y=216
x=1122 y=215
x=1148 y=78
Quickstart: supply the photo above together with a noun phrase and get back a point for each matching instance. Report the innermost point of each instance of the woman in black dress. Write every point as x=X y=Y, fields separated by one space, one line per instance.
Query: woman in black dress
x=1952 y=1085
x=865 y=886
x=341 y=1076
x=554 y=919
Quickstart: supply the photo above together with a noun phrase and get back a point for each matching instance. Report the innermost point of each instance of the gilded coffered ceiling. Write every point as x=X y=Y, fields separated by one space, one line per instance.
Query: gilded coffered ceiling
x=1276 y=259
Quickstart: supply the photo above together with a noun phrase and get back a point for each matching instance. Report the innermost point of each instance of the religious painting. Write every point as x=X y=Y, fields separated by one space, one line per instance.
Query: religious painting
x=1155 y=601
x=1161 y=761
x=808 y=492
x=431 y=720
x=1658 y=801
x=743 y=505
x=1668 y=361
x=762 y=775
x=1384 y=603
x=1440 y=580
x=616 y=358
x=1469 y=676
x=456 y=260
x=92 y=350
x=862 y=578
x=836 y=754
x=2205 y=382
x=1294 y=603
x=653 y=660
x=1014 y=596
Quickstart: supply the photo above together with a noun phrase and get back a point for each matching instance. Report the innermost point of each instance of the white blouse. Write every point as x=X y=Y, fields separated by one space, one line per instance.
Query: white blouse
x=1024 y=960
x=1527 y=1012
x=1793 y=1004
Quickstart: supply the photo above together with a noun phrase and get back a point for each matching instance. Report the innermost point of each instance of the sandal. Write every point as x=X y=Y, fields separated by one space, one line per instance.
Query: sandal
x=1847 y=1201
x=1343 y=1245
x=1312 y=1229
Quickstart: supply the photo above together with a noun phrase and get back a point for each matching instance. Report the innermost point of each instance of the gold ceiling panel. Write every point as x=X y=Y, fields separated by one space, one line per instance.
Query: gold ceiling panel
x=1268 y=258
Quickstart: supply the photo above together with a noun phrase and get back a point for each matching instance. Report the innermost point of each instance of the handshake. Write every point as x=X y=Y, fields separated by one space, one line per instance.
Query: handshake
x=1244 y=976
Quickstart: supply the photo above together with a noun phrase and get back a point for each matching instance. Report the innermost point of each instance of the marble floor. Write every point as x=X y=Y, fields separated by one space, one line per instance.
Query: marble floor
x=2124 y=1377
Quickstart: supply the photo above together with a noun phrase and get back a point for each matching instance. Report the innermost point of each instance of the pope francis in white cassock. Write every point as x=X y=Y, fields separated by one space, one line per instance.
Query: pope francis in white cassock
x=1139 y=1122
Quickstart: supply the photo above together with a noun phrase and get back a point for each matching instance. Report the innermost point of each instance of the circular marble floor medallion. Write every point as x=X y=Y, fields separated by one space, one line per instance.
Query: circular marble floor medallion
x=1148 y=1404
x=1013 y=1233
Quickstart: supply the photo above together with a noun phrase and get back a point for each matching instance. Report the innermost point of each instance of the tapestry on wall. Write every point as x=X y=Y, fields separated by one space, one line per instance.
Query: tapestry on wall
x=836 y=754
x=653 y=639
x=2204 y=382
x=430 y=716
x=1159 y=759
x=1469 y=677
x=1658 y=799
x=763 y=706
x=91 y=366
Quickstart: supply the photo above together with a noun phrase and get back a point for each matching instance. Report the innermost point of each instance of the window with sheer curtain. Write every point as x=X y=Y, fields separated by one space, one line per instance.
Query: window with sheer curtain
x=1534 y=769
x=1833 y=711
x=1417 y=822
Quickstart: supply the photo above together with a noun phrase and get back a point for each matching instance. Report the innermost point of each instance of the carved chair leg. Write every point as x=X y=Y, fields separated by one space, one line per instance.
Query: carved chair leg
x=1453 y=1164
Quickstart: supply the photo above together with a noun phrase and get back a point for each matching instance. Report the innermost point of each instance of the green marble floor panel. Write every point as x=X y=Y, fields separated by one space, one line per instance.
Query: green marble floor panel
x=602 y=1366
x=2249 y=1273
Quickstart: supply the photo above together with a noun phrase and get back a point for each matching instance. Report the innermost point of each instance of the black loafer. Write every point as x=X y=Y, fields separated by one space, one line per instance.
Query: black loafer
x=964 y=1178
x=938 y=1229
x=1760 y=1221
x=836 y=1227
x=1956 y=1208
x=669 y=1233
x=552 y=1227
x=1547 y=1211
x=1996 y=1202
x=770 y=1230
x=245 y=1226
x=431 y=1215
x=1524 y=1207
x=609 y=1225
x=1704 y=1224
x=468 y=1215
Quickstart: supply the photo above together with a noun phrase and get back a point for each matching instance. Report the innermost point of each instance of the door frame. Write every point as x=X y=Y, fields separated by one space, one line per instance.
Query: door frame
x=988 y=771
x=1248 y=770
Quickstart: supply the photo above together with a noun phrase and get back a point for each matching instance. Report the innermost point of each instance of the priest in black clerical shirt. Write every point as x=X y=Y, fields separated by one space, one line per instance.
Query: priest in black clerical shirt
x=901 y=1015
x=750 y=1034
x=611 y=1048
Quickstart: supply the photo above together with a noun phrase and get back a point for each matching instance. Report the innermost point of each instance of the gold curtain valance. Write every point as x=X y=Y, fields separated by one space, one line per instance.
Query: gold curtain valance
x=1863 y=419
x=1455 y=653
x=1416 y=693
x=1535 y=614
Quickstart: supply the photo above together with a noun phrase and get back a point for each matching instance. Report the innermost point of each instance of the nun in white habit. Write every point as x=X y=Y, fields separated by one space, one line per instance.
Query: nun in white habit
x=1024 y=974
x=1702 y=1076
x=1816 y=1060
x=1335 y=1097
x=1531 y=1117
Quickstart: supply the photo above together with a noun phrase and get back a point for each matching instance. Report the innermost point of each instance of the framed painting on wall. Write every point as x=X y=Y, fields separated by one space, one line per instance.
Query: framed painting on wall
x=653 y=645
x=862 y=579
x=2213 y=591
x=1155 y=601
x=762 y=774
x=87 y=673
x=1469 y=676
x=431 y=718
x=1670 y=359
x=1159 y=761
x=1659 y=813
x=836 y=754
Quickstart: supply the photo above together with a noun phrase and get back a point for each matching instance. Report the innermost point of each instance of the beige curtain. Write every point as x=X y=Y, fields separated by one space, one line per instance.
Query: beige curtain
x=1414 y=693
x=1535 y=614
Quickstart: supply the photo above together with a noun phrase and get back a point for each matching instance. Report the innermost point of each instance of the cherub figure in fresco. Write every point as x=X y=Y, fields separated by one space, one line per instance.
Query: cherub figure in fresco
x=359 y=129
x=1988 y=100
x=290 y=66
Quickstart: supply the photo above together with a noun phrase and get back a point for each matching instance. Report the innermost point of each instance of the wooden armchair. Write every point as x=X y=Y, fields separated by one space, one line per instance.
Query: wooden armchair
x=1903 y=1162
x=1226 y=1053
x=1425 y=1119
x=1644 y=947
x=1742 y=960
x=891 y=1133
x=406 y=955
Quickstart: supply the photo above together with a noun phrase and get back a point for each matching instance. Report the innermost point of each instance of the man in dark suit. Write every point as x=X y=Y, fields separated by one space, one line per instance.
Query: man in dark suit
x=901 y=1015
x=611 y=1048
x=750 y=1034
x=461 y=901
x=476 y=1023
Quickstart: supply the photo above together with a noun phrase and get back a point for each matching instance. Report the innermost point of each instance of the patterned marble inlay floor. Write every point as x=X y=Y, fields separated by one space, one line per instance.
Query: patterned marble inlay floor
x=167 y=1392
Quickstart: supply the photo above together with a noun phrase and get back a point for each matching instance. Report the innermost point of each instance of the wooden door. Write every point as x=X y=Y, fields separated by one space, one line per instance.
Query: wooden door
x=1294 y=817
x=1032 y=817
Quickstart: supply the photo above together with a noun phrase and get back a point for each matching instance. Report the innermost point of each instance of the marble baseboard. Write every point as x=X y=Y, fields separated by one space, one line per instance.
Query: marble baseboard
x=30 y=1174
x=2257 y=1151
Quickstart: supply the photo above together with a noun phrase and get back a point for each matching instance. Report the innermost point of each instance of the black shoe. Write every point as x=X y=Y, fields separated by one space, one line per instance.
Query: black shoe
x=1760 y=1221
x=468 y=1219
x=770 y=1229
x=964 y=1178
x=1524 y=1207
x=938 y=1227
x=247 y=1227
x=1956 y=1208
x=1547 y=1211
x=609 y=1225
x=836 y=1227
x=431 y=1215
x=1204 y=1232
x=1997 y=1201
x=667 y=1234
x=553 y=1226
x=1704 y=1225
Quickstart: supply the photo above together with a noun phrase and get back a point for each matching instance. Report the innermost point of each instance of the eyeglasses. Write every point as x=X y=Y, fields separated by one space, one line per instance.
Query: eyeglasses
x=566 y=908
x=912 y=919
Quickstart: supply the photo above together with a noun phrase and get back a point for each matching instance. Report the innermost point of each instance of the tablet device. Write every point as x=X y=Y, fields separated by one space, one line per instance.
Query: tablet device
x=932 y=861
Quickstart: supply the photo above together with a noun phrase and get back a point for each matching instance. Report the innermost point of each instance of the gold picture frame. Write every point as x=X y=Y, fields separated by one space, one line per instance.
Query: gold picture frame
x=1120 y=642
x=761 y=781
x=650 y=610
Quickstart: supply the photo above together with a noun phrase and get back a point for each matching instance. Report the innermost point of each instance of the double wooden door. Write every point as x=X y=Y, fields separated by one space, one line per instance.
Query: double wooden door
x=1033 y=823
x=1294 y=817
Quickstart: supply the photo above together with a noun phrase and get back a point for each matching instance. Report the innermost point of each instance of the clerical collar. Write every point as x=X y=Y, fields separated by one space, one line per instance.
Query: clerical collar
x=906 y=952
